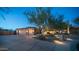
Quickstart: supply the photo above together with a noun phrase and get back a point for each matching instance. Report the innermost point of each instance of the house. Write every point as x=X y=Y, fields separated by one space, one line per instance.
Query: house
x=26 y=31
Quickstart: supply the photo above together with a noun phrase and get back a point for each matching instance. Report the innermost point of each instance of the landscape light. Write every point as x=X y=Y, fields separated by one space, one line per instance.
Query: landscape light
x=69 y=39
x=59 y=42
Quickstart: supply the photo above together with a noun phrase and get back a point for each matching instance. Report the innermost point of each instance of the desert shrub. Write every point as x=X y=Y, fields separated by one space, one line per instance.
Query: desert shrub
x=77 y=46
x=75 y=32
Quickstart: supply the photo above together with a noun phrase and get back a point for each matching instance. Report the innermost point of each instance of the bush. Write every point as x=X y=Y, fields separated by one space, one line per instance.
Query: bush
x=75 y=32
x=77 y=46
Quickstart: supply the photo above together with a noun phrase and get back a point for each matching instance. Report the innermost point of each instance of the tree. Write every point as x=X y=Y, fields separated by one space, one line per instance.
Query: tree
x=60 y=22
x=3 y=10
x=39 y=16
x=76 y=20
x=43 y=17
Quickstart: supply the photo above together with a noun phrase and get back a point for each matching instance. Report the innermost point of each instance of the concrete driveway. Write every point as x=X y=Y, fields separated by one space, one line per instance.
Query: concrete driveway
x=24 y=43
x=27 y=43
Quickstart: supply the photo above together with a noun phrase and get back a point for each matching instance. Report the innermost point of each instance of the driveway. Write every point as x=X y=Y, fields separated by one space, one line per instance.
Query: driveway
x=27 y=43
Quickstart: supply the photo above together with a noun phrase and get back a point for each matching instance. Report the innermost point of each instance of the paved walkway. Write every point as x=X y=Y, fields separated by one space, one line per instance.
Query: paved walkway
x=27 y=43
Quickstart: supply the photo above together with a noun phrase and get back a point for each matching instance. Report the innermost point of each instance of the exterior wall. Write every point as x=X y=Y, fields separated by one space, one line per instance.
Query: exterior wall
x=25 y=31
x=3 y=32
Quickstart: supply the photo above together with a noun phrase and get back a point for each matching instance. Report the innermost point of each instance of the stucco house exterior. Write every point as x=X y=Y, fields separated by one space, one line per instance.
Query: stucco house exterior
x=27 y=31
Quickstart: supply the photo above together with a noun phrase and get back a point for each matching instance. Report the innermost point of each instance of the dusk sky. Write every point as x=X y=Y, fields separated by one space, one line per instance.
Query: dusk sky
x=16 y=19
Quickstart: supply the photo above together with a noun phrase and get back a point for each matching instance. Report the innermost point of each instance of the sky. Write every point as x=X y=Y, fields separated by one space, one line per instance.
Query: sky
x=16 y=19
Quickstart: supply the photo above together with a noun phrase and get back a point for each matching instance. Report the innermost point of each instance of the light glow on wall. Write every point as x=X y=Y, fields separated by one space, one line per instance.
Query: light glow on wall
x=31 y=31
